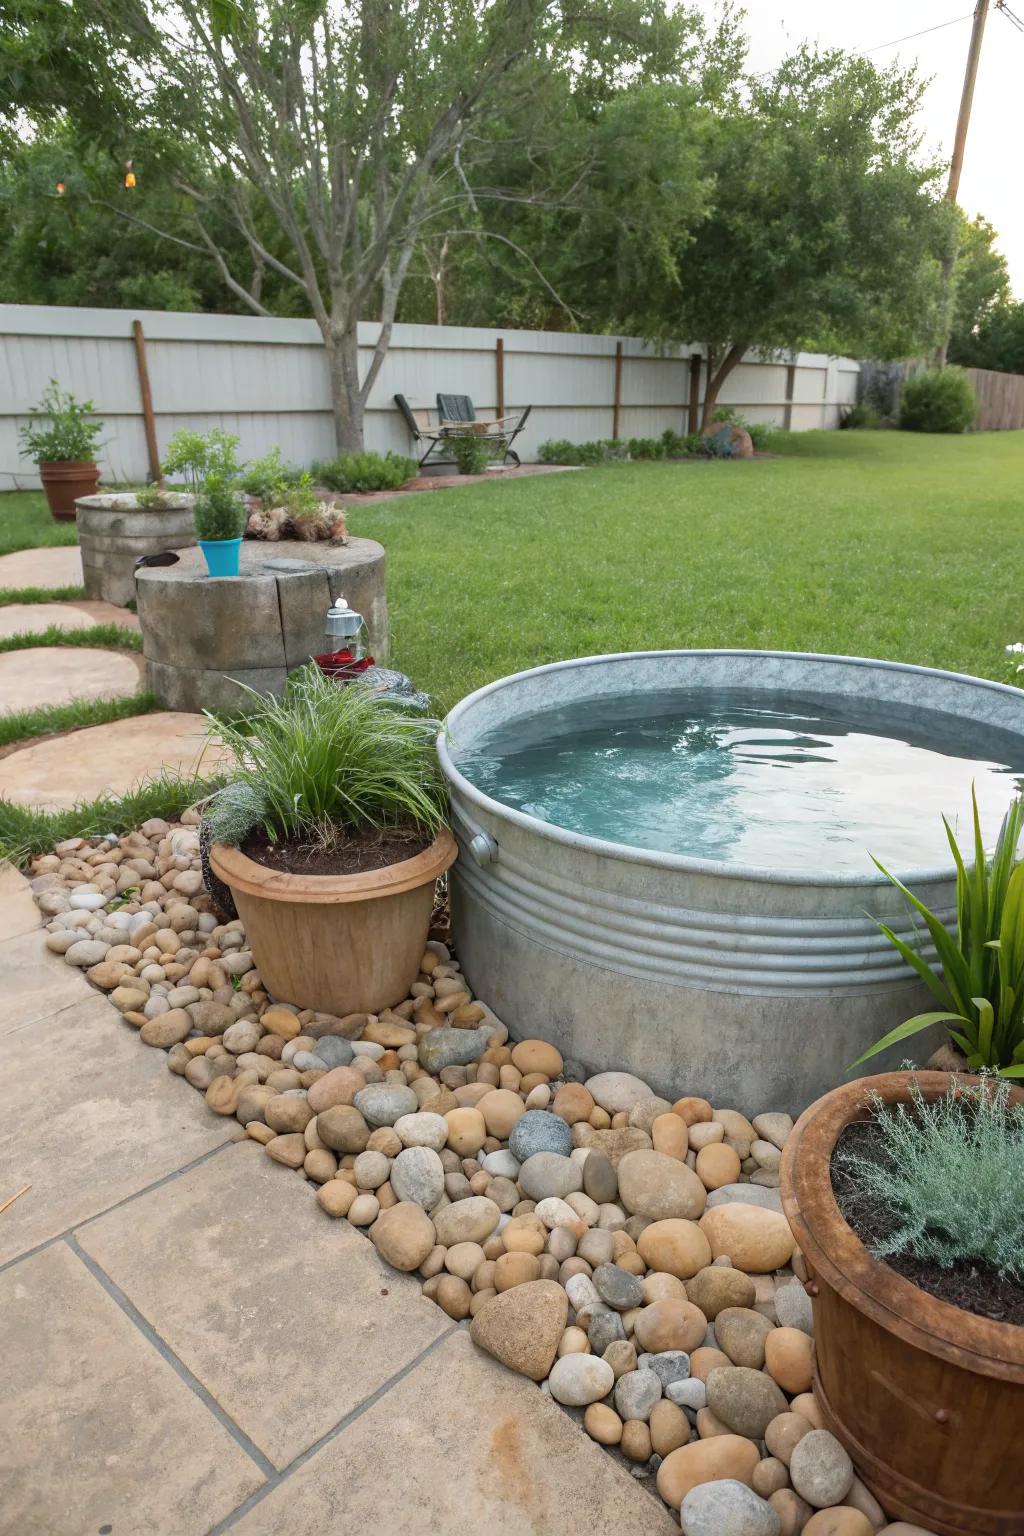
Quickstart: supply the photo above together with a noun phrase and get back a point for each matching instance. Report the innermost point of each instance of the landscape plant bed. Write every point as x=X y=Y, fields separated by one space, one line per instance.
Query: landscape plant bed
x=357 y=851
x=976 y=1288
x=625 y=1251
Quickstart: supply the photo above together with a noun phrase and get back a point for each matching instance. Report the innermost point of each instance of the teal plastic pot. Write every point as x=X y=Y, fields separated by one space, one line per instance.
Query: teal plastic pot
x=222 y=555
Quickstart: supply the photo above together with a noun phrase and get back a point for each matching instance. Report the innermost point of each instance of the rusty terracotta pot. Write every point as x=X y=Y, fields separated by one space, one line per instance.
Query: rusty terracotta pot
x=65 y=482
x=927 y=1399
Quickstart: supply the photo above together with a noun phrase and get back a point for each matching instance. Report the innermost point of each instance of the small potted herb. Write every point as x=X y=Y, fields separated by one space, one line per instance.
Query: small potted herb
x=65 y=451
x=331 y=834
x=210 y=466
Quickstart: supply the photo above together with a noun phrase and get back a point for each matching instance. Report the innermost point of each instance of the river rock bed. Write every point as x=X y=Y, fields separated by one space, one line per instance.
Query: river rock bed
x=626 y=1252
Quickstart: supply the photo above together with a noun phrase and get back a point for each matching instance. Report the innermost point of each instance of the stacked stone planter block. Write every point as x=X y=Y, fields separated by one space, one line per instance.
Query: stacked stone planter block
x=202 y=638
x=114 y=531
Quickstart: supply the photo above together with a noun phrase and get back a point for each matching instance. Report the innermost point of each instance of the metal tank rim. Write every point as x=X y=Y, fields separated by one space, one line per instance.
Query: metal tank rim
x=683 y=863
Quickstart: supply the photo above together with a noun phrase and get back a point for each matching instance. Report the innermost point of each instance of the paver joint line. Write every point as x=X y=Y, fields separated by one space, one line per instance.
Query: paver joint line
x=168 y=1178
x=166 y=1353
x=332 y=1434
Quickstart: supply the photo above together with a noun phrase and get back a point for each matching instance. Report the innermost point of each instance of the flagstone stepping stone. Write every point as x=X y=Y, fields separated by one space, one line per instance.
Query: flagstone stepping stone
x=106 y=759
x=60 y=674
x=33 y=618
x=59 y=567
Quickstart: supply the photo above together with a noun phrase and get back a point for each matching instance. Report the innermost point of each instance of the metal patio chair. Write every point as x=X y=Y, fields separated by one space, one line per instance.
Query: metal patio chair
x=422 y=432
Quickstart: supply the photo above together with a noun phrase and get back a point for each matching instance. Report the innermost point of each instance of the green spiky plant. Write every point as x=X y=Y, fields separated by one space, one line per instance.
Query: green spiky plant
x=979 y=982
x=327 y=757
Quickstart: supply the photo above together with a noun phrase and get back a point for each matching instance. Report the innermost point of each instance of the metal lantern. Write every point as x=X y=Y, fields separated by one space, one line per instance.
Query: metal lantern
x=344 y=630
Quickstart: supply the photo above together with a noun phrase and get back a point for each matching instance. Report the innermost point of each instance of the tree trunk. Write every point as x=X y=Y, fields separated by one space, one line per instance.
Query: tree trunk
x=717 y=376
x=347 y=402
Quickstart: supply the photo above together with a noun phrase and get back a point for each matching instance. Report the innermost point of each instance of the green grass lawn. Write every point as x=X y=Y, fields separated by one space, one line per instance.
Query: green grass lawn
x=884 y=544
x=25 y=523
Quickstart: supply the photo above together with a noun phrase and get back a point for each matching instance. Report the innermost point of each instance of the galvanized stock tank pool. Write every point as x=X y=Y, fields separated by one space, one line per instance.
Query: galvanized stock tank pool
x=666 y=857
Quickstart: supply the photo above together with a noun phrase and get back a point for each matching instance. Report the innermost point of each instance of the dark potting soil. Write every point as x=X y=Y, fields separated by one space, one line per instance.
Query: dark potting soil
x=355 y=853
x=972 y=1287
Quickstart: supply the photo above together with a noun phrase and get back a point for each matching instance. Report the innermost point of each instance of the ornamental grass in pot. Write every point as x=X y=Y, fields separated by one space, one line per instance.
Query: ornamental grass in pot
x=906 y=1195
x=65 y=451
x=331 y=834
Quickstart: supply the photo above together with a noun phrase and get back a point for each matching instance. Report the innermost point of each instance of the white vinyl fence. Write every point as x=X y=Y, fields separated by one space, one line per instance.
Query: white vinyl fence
x=266 y=381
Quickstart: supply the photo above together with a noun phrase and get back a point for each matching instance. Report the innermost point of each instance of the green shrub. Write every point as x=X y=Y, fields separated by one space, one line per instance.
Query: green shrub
x=938 y=402
x=558 y=450
x=862 y=417
x=471 y=454
x=760 y=434
x=200 y=456
x=219 y=511
x=269 y=478
x=950 y=1176
x=327 y=757
x=70 y=437
x=979 y=981
x=646 y=448
x=365 y=472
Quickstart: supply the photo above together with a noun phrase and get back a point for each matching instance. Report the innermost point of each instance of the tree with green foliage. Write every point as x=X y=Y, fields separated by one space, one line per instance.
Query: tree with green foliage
x=342 y=126
x=981 y=285
x=998 y=342
x=824 y=228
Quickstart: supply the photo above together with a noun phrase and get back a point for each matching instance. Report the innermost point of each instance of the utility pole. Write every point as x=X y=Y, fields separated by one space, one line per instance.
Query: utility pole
x=966 y=99
x=960 y=139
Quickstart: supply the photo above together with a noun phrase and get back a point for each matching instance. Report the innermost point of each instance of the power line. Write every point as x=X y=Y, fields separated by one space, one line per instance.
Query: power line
x=924 y=31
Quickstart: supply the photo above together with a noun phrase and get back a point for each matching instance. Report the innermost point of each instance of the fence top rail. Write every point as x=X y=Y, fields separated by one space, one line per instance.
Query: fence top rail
x=67 y=321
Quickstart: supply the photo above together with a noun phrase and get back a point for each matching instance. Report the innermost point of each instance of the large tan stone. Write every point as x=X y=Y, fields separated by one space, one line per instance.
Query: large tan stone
x=718 y=1287
x=663 y=1188
x=755 y=1239
x=666 y=1325
x=403 y=1234
x=99 y=1429
x=706 y=1461
x=522 y=1327
x=677 y=1247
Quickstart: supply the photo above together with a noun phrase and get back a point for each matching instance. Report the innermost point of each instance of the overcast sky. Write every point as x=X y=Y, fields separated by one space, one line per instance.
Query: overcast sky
x=993 y=174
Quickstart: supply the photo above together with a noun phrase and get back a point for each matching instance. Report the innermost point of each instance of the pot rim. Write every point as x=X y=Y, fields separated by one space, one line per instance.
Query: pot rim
x=243 y=874
x=78 y=464
x=836 y=1254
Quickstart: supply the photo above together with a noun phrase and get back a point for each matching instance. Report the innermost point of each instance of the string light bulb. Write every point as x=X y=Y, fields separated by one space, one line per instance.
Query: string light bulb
x=129 y=174
x=60 y=189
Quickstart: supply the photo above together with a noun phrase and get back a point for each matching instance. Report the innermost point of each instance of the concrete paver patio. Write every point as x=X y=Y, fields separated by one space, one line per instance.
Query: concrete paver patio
x=191 y=1347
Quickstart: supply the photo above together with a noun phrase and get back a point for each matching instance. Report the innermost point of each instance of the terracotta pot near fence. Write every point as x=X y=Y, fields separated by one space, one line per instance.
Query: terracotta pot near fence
x=927 y=1399
x=64 y=482
x=337 y=943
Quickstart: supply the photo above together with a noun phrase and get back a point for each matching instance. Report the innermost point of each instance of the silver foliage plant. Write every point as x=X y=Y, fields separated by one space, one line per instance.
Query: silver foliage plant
x=951 y=1176
x=234 y=812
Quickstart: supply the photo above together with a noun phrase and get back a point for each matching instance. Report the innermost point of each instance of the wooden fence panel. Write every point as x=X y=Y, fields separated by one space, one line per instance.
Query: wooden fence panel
x=1000 y=400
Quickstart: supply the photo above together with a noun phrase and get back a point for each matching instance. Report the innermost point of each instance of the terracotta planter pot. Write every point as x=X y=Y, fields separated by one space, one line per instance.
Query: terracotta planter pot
x=65 y=482
x=337 y=943
x=927 y=1399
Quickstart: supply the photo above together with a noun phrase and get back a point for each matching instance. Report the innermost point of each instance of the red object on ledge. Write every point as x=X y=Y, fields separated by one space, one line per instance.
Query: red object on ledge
x=343 y=664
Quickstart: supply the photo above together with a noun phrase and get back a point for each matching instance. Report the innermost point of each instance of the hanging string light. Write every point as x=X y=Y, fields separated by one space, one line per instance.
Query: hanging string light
x=129 y=174
x=60 y=188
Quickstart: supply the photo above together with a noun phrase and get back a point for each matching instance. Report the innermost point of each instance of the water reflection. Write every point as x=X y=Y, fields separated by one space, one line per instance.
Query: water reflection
x=775 y=781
